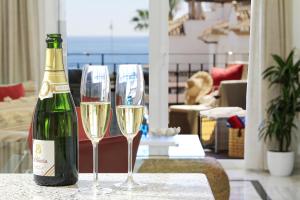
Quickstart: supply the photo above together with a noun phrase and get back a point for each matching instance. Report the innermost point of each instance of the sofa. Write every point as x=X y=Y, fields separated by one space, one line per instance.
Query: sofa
x=233 y=93
x=15 y=119
x=227 y=93
x=15 y=122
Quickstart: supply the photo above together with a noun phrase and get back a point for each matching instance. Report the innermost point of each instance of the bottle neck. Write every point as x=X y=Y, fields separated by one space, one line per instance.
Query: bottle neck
x=54 y=41
x=54 y=81
x=54 y=69
x=54 y=59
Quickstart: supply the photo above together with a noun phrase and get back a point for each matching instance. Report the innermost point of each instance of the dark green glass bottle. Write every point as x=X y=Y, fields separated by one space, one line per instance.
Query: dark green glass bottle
x=55 y=138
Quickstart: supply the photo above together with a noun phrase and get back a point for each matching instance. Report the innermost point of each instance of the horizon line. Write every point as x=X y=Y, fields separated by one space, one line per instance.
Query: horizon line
x=68 y=35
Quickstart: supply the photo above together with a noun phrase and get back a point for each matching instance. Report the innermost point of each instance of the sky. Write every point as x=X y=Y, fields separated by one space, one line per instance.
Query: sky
x=93 y=17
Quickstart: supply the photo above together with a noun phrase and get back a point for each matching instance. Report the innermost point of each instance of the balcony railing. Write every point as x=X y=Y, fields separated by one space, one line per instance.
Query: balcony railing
x=181 y=67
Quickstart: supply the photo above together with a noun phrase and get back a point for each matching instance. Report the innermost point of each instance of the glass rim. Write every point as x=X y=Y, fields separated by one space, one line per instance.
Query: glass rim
x=130 y=64
x=93 y=66
x=83 y=83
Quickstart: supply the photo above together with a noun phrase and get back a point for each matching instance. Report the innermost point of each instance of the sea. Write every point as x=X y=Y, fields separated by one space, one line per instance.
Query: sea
x=110 y=51
x=106 y=50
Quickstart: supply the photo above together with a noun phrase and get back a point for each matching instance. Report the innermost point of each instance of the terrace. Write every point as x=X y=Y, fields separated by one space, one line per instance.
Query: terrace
x=179 y=72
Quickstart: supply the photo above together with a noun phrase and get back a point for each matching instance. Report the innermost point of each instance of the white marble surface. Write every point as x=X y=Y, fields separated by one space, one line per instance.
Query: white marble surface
x=157 y=186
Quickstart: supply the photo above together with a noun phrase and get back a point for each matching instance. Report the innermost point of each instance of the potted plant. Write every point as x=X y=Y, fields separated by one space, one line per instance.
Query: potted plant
x=281 y=113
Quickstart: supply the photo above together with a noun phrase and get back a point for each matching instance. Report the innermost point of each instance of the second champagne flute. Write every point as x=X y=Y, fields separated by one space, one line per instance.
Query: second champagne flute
x=95 y=110
x=129 y=110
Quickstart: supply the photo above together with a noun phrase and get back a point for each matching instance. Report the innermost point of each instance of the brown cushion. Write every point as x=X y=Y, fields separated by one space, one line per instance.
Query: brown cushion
x=112 y=151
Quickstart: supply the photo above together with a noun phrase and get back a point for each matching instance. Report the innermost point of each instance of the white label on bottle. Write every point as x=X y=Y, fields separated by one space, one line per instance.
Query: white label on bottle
x=61 y=88
x=43 y=157
x=48 y=89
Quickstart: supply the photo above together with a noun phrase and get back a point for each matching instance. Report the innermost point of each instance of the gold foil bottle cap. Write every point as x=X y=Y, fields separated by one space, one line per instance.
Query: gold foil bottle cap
x=54 y=60
x=54 y=52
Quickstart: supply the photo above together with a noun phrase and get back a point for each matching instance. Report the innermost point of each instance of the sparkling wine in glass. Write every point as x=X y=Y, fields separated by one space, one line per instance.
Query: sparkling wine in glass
x=129 y=109
x=95 y=110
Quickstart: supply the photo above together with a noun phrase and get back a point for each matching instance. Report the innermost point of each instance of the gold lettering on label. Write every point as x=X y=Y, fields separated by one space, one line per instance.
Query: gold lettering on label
x=38 y=149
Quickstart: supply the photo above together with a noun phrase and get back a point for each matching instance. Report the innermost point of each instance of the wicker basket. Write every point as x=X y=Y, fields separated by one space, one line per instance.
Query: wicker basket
x=236 y=143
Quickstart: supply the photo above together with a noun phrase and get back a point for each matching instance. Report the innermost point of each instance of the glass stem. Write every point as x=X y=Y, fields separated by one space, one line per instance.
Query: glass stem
x=95 y=161
x=129 y=160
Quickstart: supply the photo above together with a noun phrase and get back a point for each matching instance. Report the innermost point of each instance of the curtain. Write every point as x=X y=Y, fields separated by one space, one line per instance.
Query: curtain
x=19 y=41
x=270 y=34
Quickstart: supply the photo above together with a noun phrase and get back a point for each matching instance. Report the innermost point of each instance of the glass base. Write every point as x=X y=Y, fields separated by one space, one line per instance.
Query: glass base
x=93 y=190
x=129 y=185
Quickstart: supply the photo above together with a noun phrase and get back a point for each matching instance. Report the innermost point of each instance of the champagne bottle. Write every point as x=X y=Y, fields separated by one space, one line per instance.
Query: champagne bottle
x=55 y=140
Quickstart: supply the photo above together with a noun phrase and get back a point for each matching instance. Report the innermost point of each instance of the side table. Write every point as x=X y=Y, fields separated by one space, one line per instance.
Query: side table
x=185 y=116
x=220 y=116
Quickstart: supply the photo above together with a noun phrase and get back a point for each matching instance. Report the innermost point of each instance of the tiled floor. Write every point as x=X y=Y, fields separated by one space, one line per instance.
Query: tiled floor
x=220 y=155
x=241 y=189
x=277 y=188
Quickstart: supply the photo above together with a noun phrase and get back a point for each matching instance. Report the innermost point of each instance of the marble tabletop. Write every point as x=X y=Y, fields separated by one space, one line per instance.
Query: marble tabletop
x=157 y=186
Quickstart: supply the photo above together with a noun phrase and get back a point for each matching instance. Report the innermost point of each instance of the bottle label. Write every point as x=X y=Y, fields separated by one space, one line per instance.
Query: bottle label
x=43 y=156
x=53 y=83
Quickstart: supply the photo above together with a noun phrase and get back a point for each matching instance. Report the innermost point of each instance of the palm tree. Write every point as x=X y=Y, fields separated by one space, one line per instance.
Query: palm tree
x=142 y=18
x=173 y=8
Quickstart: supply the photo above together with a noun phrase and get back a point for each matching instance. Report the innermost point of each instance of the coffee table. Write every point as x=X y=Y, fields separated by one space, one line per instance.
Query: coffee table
x=187 y=157
x=182 y=147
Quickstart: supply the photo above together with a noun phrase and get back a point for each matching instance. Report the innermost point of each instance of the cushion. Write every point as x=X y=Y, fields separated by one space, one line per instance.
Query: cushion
x=112 y=150
x=16 y=115
x=233 y=72
x=81 y=136
x=13 y=91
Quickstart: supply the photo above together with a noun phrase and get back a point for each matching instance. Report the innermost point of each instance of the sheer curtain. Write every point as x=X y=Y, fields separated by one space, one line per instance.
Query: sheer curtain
x=270 y=34
x=19 y=41
x=23 y=28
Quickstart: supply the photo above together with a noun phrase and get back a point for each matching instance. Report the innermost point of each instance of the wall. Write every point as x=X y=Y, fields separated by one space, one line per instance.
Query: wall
x=237 y=44
x=191 y=44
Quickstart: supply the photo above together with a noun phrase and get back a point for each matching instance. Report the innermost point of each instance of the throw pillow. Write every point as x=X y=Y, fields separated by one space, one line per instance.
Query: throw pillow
x=13 y=91
x=233 y=72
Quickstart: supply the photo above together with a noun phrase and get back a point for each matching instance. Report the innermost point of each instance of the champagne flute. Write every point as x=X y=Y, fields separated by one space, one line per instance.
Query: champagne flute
x=129 y=110
x=95 y=110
